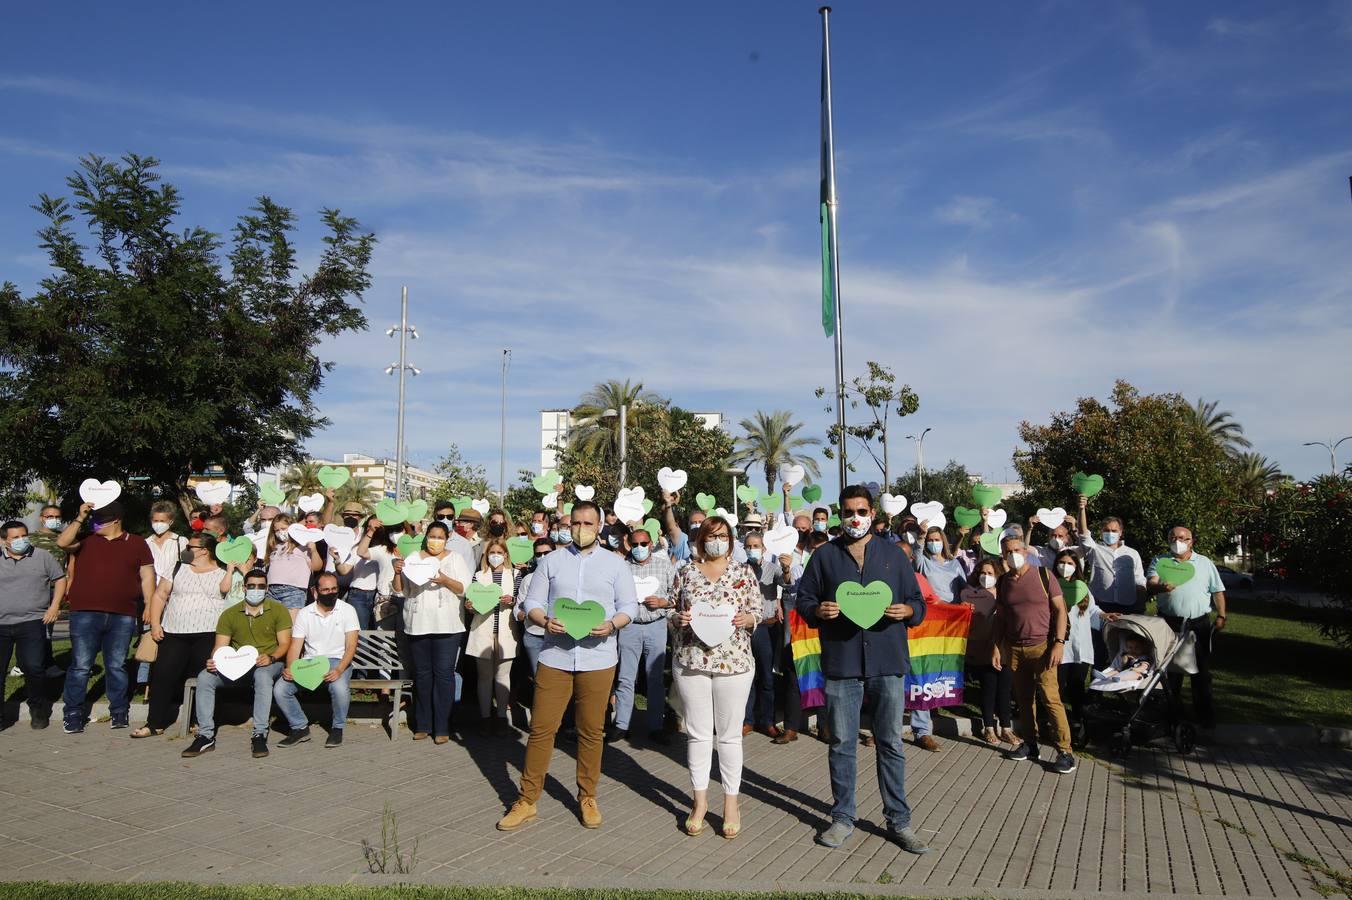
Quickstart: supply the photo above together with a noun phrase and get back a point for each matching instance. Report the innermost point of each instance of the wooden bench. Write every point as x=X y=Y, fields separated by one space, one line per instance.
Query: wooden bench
x=377 y=654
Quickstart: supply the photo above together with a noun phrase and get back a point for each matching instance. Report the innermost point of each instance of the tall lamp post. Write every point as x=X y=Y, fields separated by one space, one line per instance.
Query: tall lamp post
x=623 y=415
x=734 y=472
x=920 y=459
x=1332 y=448
x=403 y=330
x=502 y=451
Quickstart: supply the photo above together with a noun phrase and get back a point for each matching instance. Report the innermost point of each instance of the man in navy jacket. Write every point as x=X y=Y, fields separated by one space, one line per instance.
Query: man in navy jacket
x=863 y=663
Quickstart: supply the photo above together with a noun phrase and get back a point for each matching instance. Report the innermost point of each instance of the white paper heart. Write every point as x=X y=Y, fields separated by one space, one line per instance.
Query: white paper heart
x=260 y=541
x=671 y=480
x=1052 y=518
x=996 y=518
x=99 y=493
x=304 y=536
x=712 y=624
x=893 y=504
x=726 y=516
x=234 y=663
x=550 y=501
x=938 y=520
x=781 y=539
x=213 y=492
x=629 y=504
x=645 y=587
x=421 y=569
x=311 y=503
x=584 y=492
x=926 y=511
x=791 y=475
x=340 y=539
x=481 y=506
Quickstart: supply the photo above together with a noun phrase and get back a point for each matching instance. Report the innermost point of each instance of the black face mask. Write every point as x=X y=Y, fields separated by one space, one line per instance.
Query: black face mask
x=186 y=556
x=497 y=529
x=327 y=600
x=351 y=521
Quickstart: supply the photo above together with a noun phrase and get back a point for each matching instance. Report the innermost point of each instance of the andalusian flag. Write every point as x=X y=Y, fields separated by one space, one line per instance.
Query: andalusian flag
x=828 y=197
x=938 y=651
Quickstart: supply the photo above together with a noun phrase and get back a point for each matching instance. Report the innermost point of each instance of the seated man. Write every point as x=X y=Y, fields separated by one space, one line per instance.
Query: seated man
x=259 y=622
x=328 y=627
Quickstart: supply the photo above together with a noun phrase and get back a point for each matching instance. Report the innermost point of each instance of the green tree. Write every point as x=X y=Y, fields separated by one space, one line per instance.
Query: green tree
x=301 y=480
x=522 y=498
x=357 y=489
x=772 y=440
x=882 y=398
x=1255 y=475
x=951 y=486
x=460 y=478
x=1221 y=425
x=1159 y=466
x=146 y=355
x=597 y=435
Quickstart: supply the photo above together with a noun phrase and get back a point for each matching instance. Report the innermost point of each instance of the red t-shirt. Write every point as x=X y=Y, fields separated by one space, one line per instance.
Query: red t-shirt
x=1024 y=606
x=108 y=574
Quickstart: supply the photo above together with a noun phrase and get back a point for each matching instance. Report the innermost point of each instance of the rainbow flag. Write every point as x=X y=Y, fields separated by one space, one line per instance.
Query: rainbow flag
x=807 y=661
x=938 y=655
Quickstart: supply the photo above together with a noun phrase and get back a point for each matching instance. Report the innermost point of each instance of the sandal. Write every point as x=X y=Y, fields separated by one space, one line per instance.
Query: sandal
x=990 y=737
x=692 y=828
x=731 y=831
x=146 y=731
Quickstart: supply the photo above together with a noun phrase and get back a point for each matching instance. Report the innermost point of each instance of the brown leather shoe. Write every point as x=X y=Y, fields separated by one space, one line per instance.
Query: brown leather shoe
x=747 y=729
x=420 y=735
x=591 y=813
x=786 y=737
x=868 y=740
x=927 y=742
x=521 y=813
x=769 y=731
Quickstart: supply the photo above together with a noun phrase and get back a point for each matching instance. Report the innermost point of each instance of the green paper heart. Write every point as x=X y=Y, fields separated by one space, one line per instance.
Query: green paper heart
x=408 y=544
x=567 y=509
x=706 y=502
x=986 y=495
x=654 y=529
x=647 y=506
x=271 y=495
x=833 y=521
x=461 y=504
x=484 y=598
x=747 y=493
x=1086 y=485
x=966 y=517
x=546 y=483
x=812 y=493
x=417 y=511
x=1073 y=590
x=520 y=549
x=578 y=619
x=990 y=542
x=391 y=513
x=235 y=551
x=796 y=501
x=863 y=605
x=1174 y=571
x=332 y=477
x=309 y=673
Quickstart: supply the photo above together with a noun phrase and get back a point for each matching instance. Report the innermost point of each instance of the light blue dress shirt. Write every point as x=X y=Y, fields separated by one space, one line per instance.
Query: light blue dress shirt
x=1191 y=599
x=599 y=575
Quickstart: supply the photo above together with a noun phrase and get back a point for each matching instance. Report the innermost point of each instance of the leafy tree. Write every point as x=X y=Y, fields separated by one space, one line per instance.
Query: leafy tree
x=596 y=435
x=1255 y=475
x=460 y=478
x=880 y=396
x=1159 y=466
x=951 y=486
x=301 y=480
x=144 y=354
x=522 y=498
x=357 y=489
x=772 y=440
x=1221 y=425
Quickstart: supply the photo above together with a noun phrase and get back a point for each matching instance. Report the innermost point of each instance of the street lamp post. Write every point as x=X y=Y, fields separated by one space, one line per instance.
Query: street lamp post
x=623 y=415
x=502 y=449
x=403 y=330
x=1332 y=448
x=919 y=460
x=734 y=472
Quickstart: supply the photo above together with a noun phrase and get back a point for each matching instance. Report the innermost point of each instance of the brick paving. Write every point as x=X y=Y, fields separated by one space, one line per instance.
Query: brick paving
x=99 y=807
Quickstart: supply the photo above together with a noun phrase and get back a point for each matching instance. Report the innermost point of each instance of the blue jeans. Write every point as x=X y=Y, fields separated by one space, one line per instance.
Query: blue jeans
x=637 y=642
x=284 y=692
x=434 y=681
x=28 y=642
x=208 y=682
x=533 y=644
x=289 y=595
x=844 y=697
x=364 y=603
x=921 y=723
x=760 y=703
x=91 y=632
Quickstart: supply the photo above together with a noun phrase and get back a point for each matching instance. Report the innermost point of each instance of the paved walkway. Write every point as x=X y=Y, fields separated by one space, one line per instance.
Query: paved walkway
x=1226 y=821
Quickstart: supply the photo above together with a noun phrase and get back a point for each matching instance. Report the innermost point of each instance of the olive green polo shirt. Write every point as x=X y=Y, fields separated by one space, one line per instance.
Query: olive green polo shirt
x=260 y=631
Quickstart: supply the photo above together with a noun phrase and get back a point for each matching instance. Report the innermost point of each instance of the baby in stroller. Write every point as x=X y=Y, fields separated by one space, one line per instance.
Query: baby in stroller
x=1132 y=664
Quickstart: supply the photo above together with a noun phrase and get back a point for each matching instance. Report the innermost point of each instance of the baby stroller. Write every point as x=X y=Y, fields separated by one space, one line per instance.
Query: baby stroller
x=1139 y=713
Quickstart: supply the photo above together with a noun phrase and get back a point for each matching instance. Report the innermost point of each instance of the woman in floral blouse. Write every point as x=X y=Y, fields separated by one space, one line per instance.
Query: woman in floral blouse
x=714 y=681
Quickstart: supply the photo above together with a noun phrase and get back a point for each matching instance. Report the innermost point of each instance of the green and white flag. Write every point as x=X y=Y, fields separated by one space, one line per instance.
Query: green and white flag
x=828 y=198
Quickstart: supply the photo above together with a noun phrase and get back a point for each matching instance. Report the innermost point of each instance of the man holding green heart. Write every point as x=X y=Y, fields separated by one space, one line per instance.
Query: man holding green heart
x=854 y=579
x=326 y=628
x=581 y=577
x=1116 y=575
x=1185 y=584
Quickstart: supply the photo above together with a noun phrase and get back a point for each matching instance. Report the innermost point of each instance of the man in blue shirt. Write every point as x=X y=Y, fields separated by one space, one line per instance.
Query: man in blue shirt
x=1187 y=608
x=580 y=670
x=863 y=663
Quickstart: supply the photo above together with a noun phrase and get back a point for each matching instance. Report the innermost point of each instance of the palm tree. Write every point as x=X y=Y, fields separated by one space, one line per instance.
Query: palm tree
x=301 y=480
x=1220 y=425
x=357 y=489
x=595 y=435
x=772 y=440
x=1255 y=475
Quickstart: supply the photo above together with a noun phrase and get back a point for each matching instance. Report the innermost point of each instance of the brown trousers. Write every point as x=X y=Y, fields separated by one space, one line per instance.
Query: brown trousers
x=553 y=689
x=1033 y=677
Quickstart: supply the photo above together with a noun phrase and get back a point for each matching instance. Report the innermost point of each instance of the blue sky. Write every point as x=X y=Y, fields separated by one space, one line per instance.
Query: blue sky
x=1036 y=199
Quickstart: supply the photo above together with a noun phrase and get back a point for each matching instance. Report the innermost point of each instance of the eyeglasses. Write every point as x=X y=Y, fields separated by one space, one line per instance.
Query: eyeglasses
x=642 y=543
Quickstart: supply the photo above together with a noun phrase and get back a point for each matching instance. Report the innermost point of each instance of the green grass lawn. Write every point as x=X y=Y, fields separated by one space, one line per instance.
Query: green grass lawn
x=168 y=890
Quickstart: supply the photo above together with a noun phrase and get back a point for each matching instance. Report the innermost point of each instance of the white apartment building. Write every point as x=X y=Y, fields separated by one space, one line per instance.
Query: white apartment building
x=555 y=424
x=379 y=471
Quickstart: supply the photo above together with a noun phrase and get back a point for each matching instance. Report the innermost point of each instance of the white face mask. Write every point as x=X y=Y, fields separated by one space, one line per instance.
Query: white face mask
x=1067 y=570
x=988 y=581
x=495 y=559
x=1179 y=547
x=1056 y=544
x=159 y=527
x=1015 y=560
x=857 y=526
x=53 y=524
x=715 y=548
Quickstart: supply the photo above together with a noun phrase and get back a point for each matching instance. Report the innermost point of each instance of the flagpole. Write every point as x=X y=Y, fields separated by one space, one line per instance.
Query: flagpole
x=829 y=198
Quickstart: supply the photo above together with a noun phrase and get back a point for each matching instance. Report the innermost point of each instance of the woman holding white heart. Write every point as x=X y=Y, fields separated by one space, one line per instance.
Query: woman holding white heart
x=492 y=638
x=714 y=680
x=291 y=567
x=434 y=620
x=184 y=611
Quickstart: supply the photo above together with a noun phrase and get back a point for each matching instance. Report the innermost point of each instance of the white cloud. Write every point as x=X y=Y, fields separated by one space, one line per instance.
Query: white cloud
x=977 y=213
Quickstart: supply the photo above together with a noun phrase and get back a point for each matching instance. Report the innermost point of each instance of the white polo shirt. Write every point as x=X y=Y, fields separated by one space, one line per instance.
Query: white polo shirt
x=325 y=635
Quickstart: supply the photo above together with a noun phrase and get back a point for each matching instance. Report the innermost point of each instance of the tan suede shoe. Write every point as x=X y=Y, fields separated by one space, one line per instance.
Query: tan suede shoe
x=591 y=813
x=521 y=813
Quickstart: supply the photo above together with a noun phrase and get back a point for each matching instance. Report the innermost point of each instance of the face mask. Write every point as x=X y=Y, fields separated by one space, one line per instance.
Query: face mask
x=351 y=521
x=1067 y=570
x=585 y=537
x=280 y=535
x=565 y=537
x=613 y=541
x=495 y=559
x=328 y=600
x=254 y=596
x=159 y=527
x=53 y=524
x=537 y=528
x=988 y=581
x=1110 y=537
x=1179 y=547
x=436 y=545
x=934 y=547
x=640 y=553
x=1056 y=544
x=448 y=522
x=20 y=545
x=715 y=548
x=186 y=556
x=497 y=529
x=554 y=536
x=754 y=555
x=857 y=526
x=819 y=525
x=1015 y=560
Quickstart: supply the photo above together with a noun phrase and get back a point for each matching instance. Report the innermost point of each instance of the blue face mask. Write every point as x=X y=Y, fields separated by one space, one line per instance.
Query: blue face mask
x=754 y=555
x=254 y=596
x=565 y=537
x=1110 y=537
x=554 y=536
x=934 y=547
x=819 y=525
x=20 y=545
x=640 y=552
x=613 y=541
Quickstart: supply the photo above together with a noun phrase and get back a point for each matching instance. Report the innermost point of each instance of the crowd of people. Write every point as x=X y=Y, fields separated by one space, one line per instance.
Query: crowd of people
x=572 y=614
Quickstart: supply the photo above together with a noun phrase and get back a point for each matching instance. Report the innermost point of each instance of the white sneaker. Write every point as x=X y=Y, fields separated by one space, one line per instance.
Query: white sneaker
x=15 y=672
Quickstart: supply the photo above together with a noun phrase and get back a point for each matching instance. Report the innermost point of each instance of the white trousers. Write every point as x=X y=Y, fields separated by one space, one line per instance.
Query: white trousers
x=714 y=707
x=493 y=683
